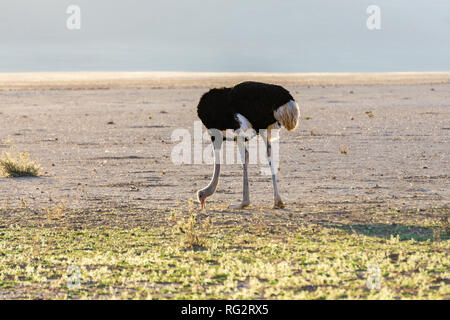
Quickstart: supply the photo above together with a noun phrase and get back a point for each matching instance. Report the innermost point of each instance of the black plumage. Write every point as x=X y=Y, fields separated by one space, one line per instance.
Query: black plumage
x=256 y=101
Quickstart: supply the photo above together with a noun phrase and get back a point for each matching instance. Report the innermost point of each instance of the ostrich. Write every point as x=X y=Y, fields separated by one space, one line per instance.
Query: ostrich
x=248 y=105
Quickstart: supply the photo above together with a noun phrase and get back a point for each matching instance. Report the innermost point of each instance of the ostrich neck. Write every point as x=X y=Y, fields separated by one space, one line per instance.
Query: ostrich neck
x=211 y=187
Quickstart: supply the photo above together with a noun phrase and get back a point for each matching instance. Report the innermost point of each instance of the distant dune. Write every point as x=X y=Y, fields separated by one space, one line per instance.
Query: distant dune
x=106 y=80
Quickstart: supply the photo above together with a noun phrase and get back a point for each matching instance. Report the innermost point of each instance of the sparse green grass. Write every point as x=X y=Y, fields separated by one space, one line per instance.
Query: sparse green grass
x=255 y=260
x=18 y=164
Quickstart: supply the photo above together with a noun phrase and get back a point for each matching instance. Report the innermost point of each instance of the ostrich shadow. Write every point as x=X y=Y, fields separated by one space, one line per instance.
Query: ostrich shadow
x=25 y=178
x=404 y=232
x=338 y=219
x=388 y=231
x=234 y=212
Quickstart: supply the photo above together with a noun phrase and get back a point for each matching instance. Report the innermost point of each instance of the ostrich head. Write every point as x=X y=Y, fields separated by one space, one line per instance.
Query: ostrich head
x=201 y=197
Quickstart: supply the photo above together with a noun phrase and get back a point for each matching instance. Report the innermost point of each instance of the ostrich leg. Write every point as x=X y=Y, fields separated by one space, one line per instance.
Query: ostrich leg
x=278 y=204
x=245 y=190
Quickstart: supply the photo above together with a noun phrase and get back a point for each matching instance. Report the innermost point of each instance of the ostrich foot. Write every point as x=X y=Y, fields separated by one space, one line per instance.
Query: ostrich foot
x=242 y=205
x=278 y=204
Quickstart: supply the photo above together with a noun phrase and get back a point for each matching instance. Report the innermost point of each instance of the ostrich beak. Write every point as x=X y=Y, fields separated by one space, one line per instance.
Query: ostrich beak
x=203 y=201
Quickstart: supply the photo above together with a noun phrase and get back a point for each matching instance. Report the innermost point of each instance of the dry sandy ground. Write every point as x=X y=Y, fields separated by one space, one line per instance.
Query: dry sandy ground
x=397 y=158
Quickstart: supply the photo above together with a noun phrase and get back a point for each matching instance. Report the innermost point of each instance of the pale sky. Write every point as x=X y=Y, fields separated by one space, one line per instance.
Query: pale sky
x=225 y=35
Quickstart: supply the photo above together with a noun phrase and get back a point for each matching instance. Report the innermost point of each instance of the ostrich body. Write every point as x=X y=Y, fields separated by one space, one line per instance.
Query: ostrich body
x=248 y=105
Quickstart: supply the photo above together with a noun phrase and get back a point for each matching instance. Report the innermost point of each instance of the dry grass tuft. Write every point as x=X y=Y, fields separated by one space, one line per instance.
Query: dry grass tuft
x=369 y=114
x=18 y=164
x=343 y=149
x=57 y=212
x=195 y=232
x=445 y=225
x=314 y=132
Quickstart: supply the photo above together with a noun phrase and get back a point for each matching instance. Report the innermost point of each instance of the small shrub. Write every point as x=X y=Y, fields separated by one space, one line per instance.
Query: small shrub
x=369 y=114
x=343 y=149
x=445 y=225
x=57 y=212
x=195 y=233
x=18 y=164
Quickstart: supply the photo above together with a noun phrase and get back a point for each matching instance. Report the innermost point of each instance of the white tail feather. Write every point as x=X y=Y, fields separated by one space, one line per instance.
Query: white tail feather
x=288 y=115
